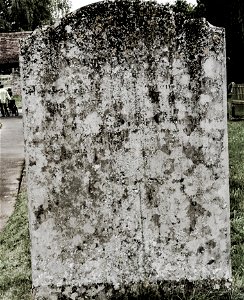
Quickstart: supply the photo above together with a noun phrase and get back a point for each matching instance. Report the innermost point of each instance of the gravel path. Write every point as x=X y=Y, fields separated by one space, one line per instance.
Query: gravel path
x=11 y=164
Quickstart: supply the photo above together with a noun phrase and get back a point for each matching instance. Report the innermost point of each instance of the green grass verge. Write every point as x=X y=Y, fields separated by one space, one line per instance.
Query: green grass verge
x=15 y=269
x=236 y=161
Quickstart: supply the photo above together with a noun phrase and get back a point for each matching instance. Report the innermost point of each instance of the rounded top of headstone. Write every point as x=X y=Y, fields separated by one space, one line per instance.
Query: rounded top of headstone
x=148 y=18
x=132 y=14
x=138 y=19
x=122 y=28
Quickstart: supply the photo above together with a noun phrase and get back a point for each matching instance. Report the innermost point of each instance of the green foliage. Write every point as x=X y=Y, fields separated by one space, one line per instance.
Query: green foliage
x=236 y=157
x=5 y=22
x=236 y=161
x=60 y=8
x=19 y=15
x=15 y=269
x=183 y=7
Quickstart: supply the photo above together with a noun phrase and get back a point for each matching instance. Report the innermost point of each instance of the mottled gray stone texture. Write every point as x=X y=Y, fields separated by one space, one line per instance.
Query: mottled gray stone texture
x=126 y=151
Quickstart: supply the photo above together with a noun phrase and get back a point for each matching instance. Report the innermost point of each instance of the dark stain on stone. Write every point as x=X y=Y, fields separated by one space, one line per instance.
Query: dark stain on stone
x=191 y=123
x=182 y=188
x=157 y=117
x=194 y=153
x=195 y=210
x=158 y=290
x=151 y=196
x=200 y=250
x=209 y=214
x=95 y=160
x=44 y=169
x=171 y=99
x=32 y=163
x=120 y=120
x=63 y=153
x=39 y=213
x=50 y=108
x=153 y=94
x=182 y=246
x=171 y=168
x=189 y=171
x=74 y=126
x=78 y=247
x=167 y=239
x=211 y=261
x=125 y=194
x=116 y=138
x=194 y=42
x=166 y=149
x=211 y=244
x=62 y=296
x=156 y=220
x=62 y=288
x=48 y=119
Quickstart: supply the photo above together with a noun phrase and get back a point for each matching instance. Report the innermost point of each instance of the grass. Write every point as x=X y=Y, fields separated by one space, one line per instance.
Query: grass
x=15 y=271
x=15 y=268
x=236 y=158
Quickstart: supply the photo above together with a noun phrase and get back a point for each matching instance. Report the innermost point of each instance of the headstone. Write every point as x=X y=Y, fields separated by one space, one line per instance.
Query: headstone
x=126 y=152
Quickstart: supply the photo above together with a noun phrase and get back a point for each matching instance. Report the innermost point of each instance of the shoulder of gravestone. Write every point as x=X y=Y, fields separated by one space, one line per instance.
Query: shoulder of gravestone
x=214 y=28
x=197 y=26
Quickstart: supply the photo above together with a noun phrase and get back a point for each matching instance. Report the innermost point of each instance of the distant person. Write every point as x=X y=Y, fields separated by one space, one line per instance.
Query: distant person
x=12 y=105
x=4 y=96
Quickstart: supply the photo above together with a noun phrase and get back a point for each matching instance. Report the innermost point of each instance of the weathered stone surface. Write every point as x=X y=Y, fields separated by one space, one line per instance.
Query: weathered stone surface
x=126 y=148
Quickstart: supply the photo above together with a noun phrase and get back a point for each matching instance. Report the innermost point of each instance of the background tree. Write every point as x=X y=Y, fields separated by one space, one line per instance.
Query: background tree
x=185 y=8
x=230 y=15
x=23 y=15
x=5 y=15
x=60 y=8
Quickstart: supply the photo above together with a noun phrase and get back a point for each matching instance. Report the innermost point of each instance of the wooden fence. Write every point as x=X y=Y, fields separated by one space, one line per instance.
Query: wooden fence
x=235 y=100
